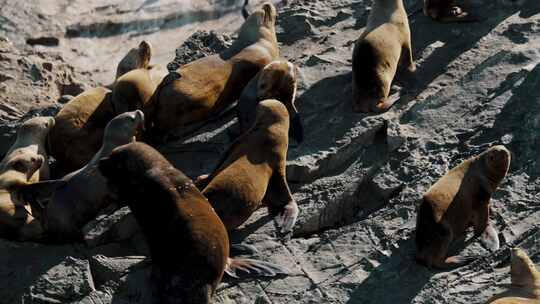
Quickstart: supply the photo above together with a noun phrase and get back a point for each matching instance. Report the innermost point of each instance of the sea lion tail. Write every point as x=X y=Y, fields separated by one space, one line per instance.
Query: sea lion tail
x=236 y=267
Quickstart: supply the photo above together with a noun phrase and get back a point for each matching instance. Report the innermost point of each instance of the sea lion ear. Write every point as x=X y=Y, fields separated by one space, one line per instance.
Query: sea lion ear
x=145 y=53
x=39 y=193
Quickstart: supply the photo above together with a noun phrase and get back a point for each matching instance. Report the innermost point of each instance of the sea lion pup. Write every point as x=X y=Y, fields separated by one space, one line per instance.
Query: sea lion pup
x=385 y=41
x=209 y=85
x=458 y=200
x=252 y=172
x=277 y=80
x=189 y=245
x=31 y=141
x=85 y=192
x=133 y=90
x=80 y=125
x=445 y=11
x=525 y=281
x=17 y=220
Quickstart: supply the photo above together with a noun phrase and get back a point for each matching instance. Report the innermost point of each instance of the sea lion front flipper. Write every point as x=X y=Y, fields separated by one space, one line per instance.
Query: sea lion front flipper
x=490 y=238
x=253 y=267
x=384 y=105
x=454 y=262
x=277 y=193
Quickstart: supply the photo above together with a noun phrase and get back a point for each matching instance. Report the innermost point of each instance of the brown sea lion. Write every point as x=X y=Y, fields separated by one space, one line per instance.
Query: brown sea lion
x=458 y=200
x=445 y=11
x=80 y=125
x=252 y=172
x=525 y=284
x=133 y=90
x=17 y=218
x=376 y=55
x=209 y=85
x=277 y=80
x=85 y=192
x=31 y=142
x=189 y=245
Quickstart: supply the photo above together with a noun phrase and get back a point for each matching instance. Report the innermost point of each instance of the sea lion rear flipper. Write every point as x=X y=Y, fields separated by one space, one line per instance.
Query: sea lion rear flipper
x=490 y=238
x=454 y=262
x=243 y=249
x=253 y=267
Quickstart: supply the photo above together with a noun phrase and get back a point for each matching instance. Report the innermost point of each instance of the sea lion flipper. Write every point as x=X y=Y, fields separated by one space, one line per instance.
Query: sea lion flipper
x=243 y=249
x=454 y=262
x=384 y=105
x=490 y=238
x=253 y=267
x=287 y=219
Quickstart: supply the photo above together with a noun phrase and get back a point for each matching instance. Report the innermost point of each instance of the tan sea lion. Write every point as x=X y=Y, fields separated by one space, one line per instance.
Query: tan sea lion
x=85 y=192
x=189 y=245
x=525 y=284
x=80 y=125
x=17 y=218
x=385 y=41
x=445 y=11
x=252 y=172
x=458 y=200
x=209 y=85
x=31 y=142
x=277 y=80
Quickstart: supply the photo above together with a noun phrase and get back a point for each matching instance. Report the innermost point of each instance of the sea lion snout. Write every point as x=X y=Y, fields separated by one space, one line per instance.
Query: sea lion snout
x=499 y=157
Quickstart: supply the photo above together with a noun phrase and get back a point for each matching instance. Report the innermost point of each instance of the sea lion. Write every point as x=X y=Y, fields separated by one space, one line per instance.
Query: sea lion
x=277 y=80
x=85 y=192
x=445 y=11
x=458 y=200
x=189 y=245
x=385 y=41
x=133 y=90
x=31 y=141
x=252 y=172
x=17 y=218
x=209 y=85
x=525 y=284
x=80 y=124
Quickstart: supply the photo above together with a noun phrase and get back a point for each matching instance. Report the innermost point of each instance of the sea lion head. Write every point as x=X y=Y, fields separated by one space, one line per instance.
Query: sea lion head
x=260 y=24
x=523 y=271
x=278 y=80
x=121 y=129
x=36 y=128
x=20 y=167
x=126 y=166
x=438 y=9
x=136 y=58
x=497 y=162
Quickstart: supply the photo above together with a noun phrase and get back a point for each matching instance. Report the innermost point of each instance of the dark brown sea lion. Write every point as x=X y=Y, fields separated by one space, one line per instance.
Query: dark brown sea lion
x=209 y=85
x=189 y=245
x=80 y=125
x=252 y=171
x=458 y=200
x=31 y=142
x=525 y=284
x=376 y=55
x=277 y=80
x=85 y=192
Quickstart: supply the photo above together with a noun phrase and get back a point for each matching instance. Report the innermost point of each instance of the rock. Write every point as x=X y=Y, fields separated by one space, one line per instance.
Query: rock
x=118 y=226
x=67 y=282
x=105 y=269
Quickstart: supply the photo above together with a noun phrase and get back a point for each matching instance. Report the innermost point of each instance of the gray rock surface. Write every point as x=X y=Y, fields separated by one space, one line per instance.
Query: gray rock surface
x=357 y=178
